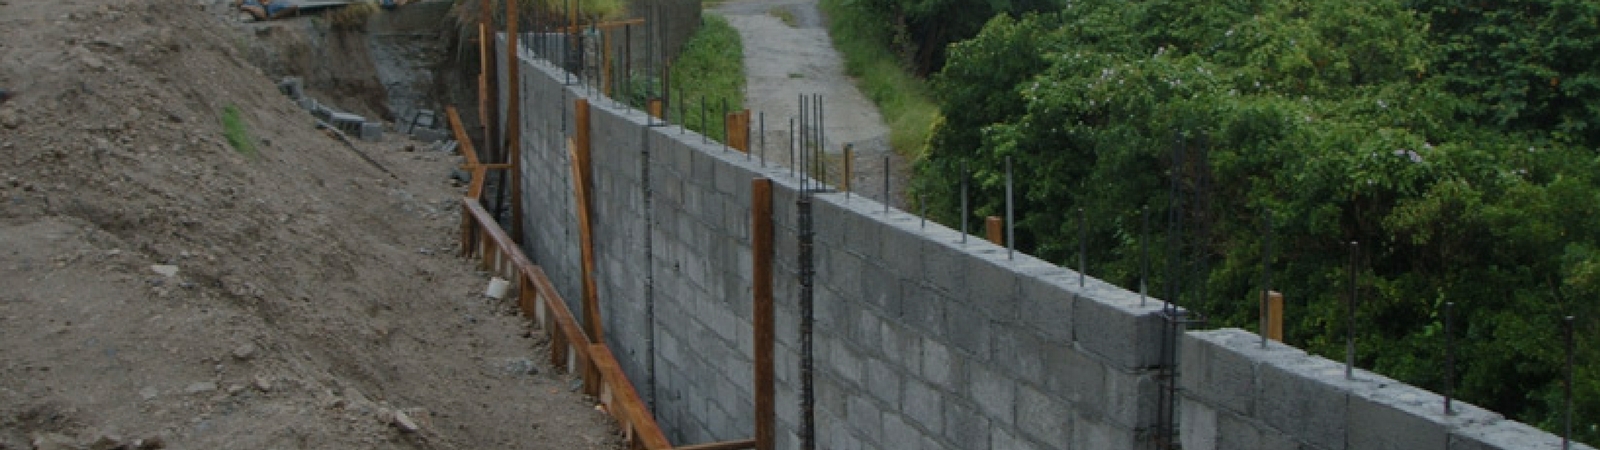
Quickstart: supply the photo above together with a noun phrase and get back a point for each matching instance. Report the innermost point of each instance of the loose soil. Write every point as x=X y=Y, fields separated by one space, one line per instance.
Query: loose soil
x=784 y=62
x=316 y=299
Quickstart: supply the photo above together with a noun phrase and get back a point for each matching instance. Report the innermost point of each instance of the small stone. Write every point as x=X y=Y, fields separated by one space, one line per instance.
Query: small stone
x=404 y=423
x=166 y=270
x=107 y=442
x=52 y=441
x=261 y=383
x=149 y=392
x=200 y=387
x=244 y=352
x=235 y=389
x=10 y=119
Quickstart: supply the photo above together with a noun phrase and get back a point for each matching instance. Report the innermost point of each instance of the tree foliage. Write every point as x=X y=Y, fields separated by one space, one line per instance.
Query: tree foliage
x=1450 y=141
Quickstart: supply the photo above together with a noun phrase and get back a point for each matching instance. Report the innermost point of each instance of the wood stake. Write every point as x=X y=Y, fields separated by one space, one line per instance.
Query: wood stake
x=1275 y=316
x=995 y=227
x=761 y=247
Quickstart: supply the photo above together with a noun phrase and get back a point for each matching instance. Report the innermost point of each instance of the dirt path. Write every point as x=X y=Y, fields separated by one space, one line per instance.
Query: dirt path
x=785 y=62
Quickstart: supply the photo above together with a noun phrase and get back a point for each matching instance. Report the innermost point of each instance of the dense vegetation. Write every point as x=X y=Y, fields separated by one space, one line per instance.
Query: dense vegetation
x=902 y=97
x=708 y=73
x=1453 y=141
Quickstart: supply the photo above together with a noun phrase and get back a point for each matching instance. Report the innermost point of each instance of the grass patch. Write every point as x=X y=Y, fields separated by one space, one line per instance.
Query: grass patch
x=238 y=135
x=785 y=15
x=905 y=100
x=710 y=70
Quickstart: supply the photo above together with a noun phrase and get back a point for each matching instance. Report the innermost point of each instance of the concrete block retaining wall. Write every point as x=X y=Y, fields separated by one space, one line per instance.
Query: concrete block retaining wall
x=922 y=341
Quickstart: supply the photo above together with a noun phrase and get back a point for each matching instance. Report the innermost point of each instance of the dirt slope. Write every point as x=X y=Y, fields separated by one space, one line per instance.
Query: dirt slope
x=314 y=297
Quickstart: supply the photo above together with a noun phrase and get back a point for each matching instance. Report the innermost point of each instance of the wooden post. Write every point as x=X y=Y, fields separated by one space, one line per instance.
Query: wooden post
x=580 y=177
x=738 y=130
x=605 y=63
x=655 y=108
x=1275 y=316
x=995 y=229
x=761 y=248
x=849 y=169
x=513 y=125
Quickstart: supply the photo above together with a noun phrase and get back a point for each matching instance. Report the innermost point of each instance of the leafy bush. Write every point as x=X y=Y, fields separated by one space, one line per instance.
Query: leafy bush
x=1385 y=123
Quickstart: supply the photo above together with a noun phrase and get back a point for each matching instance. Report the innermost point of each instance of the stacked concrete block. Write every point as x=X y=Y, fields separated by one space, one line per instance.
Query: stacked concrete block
x=1238 y=395
x=923 y=339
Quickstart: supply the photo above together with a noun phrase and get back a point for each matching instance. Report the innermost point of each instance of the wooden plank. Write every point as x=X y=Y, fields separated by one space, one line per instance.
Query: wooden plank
x=729 y=445
x=625 y=404
x=995 y=229
x=1275 y=316
x=605 y=26
x=580 y=175
x=513 y=147
x=761 y=249
x=475 y=191
x=460 y=133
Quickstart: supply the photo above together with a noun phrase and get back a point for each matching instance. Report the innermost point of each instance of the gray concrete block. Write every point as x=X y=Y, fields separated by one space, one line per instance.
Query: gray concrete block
x=899 y=249
x=1197 y=426
x=1018 y=353
x=922 y=308
x=1291 y=398
x=865 y=416
x=1043 y=417
x=428 y=135
x=1124 y=336
x=968 y=329
x=1045 y=306
x=994 y=393
x=938 y=365
x=883 y=381
x=1077 y=378
x=1001 y=438
x=1215 y=374
x=1090 y=433
x=844 y=361
x=923 y=404
x=945 y=267
x=293 y=87
x=1506 y=435
x=994 y=290
x=372 y=131
x=965 y=427
x=1239 y=433
x=897 y=429
x=1377 y=426
x=1132 y=399
x=902 y=346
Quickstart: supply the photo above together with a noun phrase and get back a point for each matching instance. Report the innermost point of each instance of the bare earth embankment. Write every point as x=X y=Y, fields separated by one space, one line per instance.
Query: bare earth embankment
x=160 y=288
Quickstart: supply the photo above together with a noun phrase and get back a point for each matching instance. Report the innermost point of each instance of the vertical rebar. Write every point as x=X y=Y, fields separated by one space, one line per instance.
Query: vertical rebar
x=1266 y=273
x=1144 y=255
x=822 y=138
x=1449 y=358
x=807 y=392
x=791 y=147
x=683 y=112
x=761 y=120
x=922 y=208
x=1566 y=435
x=1011 y=235
x=964 y=213
x=1350 y=329
x=849 y=160
x=886 y=185
x=1083 y=247
x=704 y=127
x=725 y=133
